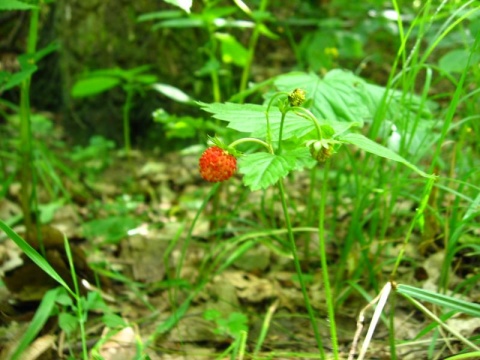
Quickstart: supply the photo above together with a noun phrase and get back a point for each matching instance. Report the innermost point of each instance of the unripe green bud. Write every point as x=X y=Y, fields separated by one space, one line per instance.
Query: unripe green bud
x=296 y=97
x=321 y=150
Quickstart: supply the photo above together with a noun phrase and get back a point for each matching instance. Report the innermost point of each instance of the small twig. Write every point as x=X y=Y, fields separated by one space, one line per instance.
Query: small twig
x=381 y=299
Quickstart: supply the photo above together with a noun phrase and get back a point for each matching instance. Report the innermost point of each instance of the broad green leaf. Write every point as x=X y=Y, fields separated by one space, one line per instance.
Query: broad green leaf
x=251 y=118
x=68 y=322
x=16 y=5
x=93 y=86
x=261 y=170
x=446 y=301
x=339 y=96
x=302 y=156
x=457 y=60
x=232 y=50
x=372 y=147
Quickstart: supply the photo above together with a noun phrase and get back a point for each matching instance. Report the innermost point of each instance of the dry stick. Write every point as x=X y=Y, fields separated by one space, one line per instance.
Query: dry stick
x=382 y=300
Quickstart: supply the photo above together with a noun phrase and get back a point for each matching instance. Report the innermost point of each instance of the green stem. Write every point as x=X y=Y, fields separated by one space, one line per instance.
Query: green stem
x=298 y=269
x=254 y=140
x=310 y=210
x=307 y=114
x=324 y=263
x=81 y=315
x=251 y=51
x=126 y=118
x=418 y=216
x=267 y=115
x=280 y=133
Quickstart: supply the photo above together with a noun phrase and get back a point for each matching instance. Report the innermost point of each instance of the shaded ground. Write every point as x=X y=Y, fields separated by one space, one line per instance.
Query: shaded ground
x=134 y=230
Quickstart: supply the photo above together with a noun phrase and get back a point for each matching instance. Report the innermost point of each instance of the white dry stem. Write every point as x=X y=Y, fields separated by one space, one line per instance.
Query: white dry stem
x=381 y=299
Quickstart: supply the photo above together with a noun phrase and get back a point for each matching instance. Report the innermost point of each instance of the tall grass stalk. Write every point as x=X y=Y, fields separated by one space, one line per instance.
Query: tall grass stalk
x=298 y=269
x=324 y=263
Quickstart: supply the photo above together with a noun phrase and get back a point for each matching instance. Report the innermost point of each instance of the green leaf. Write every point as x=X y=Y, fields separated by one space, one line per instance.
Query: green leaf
x=339 y=96
x=41 y=316
x=251 y=118
x=264 y=169
x=8 y=80
x=111 y=229
x=16 y=5
x=114 y=321
x=34 y=255
x=93 y=86
x=457 y=60
x=67 y=322
x=449 y=302
x=232 y=50
x=372 y=147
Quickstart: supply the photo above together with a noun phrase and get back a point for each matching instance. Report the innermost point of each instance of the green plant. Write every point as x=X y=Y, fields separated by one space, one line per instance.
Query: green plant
x=294 y=138
x=131 y=81
x=49 y=299
x=223 y=52
x=234 y=326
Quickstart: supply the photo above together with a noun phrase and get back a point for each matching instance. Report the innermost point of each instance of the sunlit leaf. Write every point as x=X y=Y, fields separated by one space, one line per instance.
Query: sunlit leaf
x=442 y=300
x=262 y=170
x=372 y=147
x=16 y=5
x=93 y=86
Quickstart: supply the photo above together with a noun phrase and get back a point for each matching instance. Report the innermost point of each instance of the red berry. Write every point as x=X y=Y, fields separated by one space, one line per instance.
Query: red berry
x=217 y=164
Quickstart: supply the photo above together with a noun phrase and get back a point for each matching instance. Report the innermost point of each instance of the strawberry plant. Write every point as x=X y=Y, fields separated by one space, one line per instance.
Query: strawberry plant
x=301 y=126
x=297 y=137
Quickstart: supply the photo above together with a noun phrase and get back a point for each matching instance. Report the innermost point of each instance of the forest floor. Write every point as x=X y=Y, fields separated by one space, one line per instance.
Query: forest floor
x=190 y=296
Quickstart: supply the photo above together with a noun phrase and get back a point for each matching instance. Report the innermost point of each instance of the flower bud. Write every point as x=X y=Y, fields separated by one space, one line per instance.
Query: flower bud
x=296 y=97
x=321 y=150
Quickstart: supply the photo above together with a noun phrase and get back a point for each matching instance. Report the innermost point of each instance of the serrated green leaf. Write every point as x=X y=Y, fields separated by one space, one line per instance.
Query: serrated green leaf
x=251 y=118
x=339 y=96
x=261 y=170
x=302 y=156
x=372 y=147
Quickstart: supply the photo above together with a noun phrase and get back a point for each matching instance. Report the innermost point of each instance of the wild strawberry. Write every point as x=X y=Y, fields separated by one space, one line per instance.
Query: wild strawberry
x=217 y=164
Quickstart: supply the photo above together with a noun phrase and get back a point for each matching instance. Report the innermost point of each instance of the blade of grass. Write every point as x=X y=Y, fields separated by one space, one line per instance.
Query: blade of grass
x=35 y=256
x=39 y=319
x=446 y=301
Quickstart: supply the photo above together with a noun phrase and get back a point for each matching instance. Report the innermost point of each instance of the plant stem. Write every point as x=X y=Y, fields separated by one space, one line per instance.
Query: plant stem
x=324 y=263
x=254 y=140
x=280 y=133
x=81 y=316
x=126 y=118
x=298 y=269
x=310 y=210
x=251 y=51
